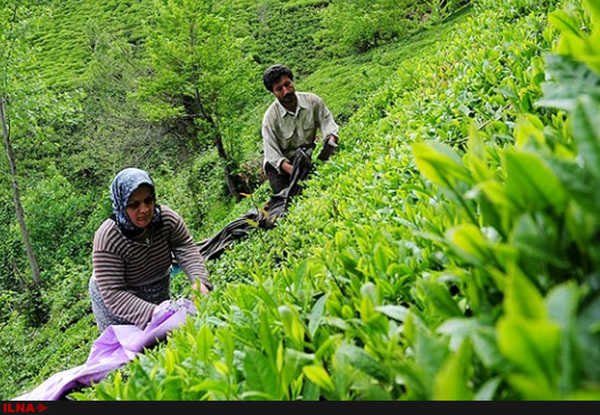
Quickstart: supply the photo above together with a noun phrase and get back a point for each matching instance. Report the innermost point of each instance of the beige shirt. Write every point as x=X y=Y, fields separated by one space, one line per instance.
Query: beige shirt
x=284 y=132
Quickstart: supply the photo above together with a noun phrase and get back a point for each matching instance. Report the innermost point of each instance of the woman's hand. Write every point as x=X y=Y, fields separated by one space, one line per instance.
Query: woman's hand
x=203 y=288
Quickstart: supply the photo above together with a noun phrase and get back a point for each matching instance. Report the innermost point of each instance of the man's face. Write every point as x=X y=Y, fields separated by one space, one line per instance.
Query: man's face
x=284 y=90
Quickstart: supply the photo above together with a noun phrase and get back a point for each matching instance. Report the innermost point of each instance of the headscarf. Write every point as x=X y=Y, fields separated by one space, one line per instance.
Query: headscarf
x=123 y=185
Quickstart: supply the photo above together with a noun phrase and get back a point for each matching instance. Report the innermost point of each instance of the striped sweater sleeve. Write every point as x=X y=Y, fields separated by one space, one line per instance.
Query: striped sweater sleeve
x=186 y=251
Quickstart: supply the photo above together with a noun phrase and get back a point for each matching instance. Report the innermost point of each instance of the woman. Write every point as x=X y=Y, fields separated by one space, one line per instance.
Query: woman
x=133 y=251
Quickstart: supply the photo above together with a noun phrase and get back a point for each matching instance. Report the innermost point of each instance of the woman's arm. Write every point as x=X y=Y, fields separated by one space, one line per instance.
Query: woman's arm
x=109 y=275
x=186 y=252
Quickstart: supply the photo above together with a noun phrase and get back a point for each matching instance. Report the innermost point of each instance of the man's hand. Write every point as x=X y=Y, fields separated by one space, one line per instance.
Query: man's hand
x=287 y=167
x=329 y=147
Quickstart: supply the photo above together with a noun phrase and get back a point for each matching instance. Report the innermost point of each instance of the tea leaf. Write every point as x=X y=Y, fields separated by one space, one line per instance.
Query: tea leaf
x=564 y=22
x=594 y=9
x=470 y=243
x=531 y=182
x=485 y=344
x=451 y=381
x=535 y=238
x=266 y=336
x=578 y=182
x=522 y=299
x=440 y=164
x=586 y=131
x=360 y=359
x=228 y=345
x=533 y=346
x=563 y=302
x=205 y=340
x=458 y=329
x=488 y=390
x=293 y=362
x=316 y=315
x=431 y=352
x=292 y=325
x=439 y=296
x=260 y=376
x=319 y=377
x=396 y=312
x=571 y=79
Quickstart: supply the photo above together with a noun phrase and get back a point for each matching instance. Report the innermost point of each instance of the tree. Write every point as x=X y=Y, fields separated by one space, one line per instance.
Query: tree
x=9 y=35
x=201 y=80
x=355 y=26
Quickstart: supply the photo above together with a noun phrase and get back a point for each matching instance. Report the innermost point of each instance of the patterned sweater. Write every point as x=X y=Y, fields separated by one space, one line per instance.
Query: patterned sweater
x=120 y=262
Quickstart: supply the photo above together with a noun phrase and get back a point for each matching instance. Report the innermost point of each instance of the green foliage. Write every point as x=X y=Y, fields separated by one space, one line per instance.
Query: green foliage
x=66 y=37
x=62 y=218
x=447 y=252
x=513 y=9
x=200 y=79
x=35 y=354
x=357 y=26
x=199 y=194
x=282 y=32
x=538 y=249
x=463 y=269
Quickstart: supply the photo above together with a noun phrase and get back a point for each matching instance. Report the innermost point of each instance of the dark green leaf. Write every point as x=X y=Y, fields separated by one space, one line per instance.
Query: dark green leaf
x=571 y=79
x=579 y=183
x=439 y=296
x=316 y=315
x=396 y=312
x=531 y=182
x=260 y=376
x=360 y=359
x=585 y=124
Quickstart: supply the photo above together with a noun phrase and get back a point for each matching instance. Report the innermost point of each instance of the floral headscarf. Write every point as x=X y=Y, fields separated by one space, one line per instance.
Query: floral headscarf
x=123 y=185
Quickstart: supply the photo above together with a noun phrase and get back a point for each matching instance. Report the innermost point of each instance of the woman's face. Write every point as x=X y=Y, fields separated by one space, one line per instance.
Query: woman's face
x=140 y=207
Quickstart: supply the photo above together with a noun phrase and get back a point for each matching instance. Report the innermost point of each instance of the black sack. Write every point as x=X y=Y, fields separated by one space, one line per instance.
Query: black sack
x=265 y=218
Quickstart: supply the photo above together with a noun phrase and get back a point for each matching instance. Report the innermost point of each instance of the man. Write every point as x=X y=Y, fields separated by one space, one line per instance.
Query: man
x=291 y=123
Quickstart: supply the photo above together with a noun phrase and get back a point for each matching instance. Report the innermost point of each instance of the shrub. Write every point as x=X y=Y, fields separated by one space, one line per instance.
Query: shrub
x=441 y=255
x=351 y=26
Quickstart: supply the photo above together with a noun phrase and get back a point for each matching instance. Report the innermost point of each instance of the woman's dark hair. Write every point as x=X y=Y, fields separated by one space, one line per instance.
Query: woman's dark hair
x=274 y=73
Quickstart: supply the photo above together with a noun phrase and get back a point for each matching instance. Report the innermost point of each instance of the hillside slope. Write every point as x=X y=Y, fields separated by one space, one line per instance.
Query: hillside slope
x=447 y=251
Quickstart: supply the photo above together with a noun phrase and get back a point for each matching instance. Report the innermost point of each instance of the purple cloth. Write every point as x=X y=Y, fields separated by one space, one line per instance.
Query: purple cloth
x=117 y=345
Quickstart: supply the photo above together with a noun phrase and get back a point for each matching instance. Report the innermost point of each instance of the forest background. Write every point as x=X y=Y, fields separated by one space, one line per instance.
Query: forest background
x=450 y=125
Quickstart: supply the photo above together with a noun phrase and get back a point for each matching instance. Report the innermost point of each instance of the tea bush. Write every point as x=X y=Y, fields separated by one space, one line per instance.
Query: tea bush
x=448 y=252
x=358 y=26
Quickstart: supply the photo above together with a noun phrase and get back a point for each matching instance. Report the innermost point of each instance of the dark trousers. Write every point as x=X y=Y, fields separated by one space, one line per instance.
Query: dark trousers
x=278 y=181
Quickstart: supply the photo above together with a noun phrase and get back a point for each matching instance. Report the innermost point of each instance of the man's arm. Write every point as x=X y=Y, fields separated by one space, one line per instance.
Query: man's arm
x=327 y=124
x=273 y=154
x=329 y=147
x=287 y=167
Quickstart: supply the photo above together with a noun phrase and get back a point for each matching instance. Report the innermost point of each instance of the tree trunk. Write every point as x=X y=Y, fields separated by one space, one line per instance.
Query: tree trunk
x=228 y=177
x=218 y=140
x=17 y=198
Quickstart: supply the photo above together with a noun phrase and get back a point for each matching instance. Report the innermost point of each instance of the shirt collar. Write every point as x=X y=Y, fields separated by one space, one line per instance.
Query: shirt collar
x=301 y=104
